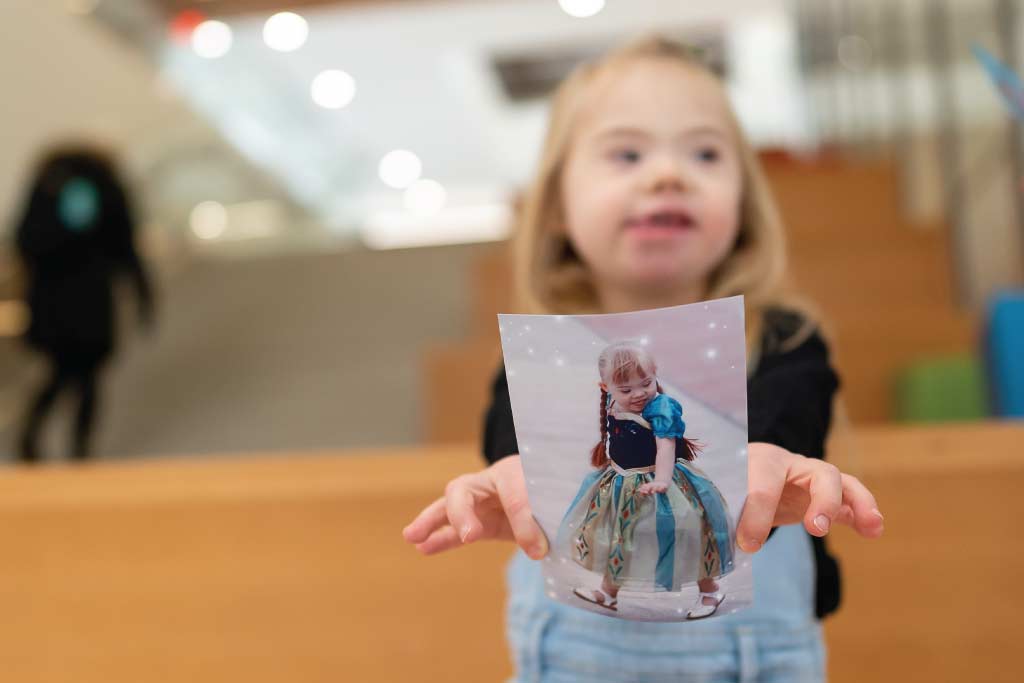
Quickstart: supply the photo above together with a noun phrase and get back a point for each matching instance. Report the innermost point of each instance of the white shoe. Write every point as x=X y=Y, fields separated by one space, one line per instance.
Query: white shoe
x=701 y=610
x=598 y=597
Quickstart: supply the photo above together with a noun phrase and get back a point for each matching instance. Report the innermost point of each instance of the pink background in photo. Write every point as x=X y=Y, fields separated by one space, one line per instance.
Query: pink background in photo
x=700 y=373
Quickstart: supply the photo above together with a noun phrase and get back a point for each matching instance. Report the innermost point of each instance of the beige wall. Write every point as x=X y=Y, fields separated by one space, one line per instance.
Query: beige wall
x=65 y=75
x=293 y=352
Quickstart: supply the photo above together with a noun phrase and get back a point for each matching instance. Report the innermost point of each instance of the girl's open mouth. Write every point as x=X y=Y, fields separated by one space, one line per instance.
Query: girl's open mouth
x=663 y=220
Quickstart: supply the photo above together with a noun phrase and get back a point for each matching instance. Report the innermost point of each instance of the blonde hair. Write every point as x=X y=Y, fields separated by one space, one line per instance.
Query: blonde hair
x=551 y=278
x=620 y=361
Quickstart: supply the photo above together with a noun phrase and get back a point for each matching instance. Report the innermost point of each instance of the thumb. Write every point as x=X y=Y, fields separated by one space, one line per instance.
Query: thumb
x=511 y=487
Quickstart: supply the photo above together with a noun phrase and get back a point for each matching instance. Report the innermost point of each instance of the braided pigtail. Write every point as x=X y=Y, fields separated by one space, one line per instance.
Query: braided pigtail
x=687 y=449
x=599 y=456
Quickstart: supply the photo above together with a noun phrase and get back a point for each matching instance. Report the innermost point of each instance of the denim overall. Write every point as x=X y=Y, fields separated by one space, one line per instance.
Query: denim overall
x=777 y=640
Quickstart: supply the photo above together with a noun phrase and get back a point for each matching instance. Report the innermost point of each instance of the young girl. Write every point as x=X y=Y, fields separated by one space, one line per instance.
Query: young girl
x=648 y=519
x=648 y=195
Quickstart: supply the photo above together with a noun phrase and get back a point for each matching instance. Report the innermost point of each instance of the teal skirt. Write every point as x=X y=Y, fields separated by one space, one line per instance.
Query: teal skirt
x=651 y=543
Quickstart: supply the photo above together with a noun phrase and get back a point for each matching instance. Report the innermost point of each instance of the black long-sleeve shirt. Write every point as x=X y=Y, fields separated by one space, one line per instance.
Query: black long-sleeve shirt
x=789 y=403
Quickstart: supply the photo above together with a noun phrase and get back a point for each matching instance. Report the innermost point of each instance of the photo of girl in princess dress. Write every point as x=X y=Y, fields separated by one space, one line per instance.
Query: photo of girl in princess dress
x=647 y=518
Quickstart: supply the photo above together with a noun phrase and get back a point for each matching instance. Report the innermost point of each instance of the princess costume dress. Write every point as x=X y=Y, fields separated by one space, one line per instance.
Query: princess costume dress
x=649 y=543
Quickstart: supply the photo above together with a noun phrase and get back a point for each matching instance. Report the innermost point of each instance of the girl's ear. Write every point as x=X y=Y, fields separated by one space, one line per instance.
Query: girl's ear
x=604 y=387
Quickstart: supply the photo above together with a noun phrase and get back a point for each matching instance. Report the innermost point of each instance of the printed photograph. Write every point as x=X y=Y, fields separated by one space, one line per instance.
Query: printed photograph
x=633 y=430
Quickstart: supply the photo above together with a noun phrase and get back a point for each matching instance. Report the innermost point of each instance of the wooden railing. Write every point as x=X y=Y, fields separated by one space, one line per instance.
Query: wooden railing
x=292 y=568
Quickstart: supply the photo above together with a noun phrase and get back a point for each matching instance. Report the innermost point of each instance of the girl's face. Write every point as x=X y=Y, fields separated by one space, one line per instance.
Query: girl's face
x=633 y=393
x=652 y=183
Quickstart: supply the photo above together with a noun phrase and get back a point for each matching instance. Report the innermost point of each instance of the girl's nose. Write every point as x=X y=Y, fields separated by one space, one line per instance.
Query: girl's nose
x=666 y=175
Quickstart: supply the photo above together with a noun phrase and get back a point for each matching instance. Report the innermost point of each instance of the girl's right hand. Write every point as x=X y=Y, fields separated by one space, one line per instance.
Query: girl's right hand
x=489 y=504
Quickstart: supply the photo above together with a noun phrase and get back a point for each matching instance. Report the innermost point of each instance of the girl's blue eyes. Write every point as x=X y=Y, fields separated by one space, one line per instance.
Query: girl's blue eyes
x=709 y=154
x=631 y=156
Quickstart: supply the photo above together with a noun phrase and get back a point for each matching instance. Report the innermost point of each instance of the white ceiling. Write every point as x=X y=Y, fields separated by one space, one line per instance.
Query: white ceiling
x=425 y=83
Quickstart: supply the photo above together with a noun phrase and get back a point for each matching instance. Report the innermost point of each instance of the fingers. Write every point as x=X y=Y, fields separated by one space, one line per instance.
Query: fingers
x=766 y=479
x=866 y=518
x=845 y=516
x=826 y=489
x=459 y=499
x=442 y=539
x=785 y=487
x=527 y=533
x=498 y=494
x=433 y=517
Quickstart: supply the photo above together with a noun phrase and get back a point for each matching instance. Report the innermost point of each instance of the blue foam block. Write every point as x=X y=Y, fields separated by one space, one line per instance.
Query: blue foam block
x=1005 y=353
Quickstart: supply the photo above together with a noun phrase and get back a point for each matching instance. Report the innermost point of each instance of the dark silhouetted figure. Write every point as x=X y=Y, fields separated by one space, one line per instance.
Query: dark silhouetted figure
x=75 y=236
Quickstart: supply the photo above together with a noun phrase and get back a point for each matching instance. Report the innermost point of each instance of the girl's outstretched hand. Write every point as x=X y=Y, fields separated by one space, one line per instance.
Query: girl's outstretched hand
x=786 y=488
x=489 y=504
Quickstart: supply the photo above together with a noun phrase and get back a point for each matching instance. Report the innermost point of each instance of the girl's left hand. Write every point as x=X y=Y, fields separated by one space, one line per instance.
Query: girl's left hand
x=786 y=488
x=652 y=487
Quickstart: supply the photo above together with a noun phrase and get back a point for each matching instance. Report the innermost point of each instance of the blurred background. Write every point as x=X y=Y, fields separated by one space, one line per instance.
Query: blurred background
x=323 y=193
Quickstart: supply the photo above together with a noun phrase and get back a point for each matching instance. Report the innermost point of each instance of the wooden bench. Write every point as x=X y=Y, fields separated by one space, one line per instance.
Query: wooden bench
x=292 y=568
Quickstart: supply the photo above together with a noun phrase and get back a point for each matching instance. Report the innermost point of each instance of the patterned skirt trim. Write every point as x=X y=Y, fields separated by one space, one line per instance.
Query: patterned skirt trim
x=649 y=543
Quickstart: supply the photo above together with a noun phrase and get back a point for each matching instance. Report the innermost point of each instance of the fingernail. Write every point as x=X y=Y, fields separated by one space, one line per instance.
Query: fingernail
x=822 y=522
x=749 y=545
x=464 y=534
x=880 y=516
